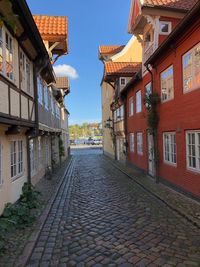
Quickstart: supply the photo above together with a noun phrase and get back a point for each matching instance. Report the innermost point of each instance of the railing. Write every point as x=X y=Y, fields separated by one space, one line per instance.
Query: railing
x=149 y=48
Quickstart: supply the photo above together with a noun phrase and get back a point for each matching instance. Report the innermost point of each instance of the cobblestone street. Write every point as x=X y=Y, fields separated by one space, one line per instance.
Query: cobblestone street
x=102 y=218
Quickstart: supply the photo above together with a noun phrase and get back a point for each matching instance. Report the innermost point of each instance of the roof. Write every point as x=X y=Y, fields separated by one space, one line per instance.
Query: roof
x=54 y=29
x=110 y=49
x=117 y=68
x=176 y=33
x=175 y=4
x=51 y=25
x=62 y=82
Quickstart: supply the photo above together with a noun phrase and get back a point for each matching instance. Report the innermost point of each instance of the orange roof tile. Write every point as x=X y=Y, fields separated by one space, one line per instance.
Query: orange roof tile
x=117 y=68
x=62 y=82
x=110 y=49
x=176 y=4
x=51 y=25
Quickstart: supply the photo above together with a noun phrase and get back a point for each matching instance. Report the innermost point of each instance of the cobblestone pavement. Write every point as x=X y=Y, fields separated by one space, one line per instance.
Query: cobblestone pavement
x=102 y=218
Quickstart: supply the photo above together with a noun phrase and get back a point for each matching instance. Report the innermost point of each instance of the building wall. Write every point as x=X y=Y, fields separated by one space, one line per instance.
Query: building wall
x=179 y=115
x=137 y=124
x=132 y=52
x=107 y=93
x=10 y=190
x=65 y=132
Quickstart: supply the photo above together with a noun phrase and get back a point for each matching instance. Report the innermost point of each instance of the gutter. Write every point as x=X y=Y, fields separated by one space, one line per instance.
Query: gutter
x=180 y=28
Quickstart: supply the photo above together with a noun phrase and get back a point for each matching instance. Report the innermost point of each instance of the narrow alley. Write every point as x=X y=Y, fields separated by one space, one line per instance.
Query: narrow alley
x=102 y=218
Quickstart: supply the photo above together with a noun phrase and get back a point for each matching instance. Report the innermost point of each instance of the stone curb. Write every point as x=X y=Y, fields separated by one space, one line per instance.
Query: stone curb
x=167 y=203
x=28 y=249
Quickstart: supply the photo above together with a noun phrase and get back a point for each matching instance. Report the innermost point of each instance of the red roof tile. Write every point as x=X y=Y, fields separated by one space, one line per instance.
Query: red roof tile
x=110 y=49
x=51 y=25
x=117 y=68
x=177 y=4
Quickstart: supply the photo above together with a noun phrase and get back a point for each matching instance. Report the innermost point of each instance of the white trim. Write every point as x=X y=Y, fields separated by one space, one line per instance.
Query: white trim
x=16 y=159
x=132 y=142
x=167 y=84
x=197 y=148
x=194 y=85
x=139 y=143
x=169 y=27
x=170 y=161
x=131 y=106
x=138 y=101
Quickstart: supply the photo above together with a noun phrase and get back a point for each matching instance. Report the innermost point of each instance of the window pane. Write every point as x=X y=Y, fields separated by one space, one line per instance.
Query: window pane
x=187 y=71
x=167 y=84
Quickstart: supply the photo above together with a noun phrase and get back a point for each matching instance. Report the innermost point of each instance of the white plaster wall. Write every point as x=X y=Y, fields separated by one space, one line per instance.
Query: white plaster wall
x=24 y=107
x=4 y=108
x=15 y=107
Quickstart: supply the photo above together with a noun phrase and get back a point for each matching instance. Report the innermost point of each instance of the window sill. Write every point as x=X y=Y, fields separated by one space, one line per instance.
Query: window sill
x=17 y=177
x=170 y=164
x=167 y=100
x=194 y=171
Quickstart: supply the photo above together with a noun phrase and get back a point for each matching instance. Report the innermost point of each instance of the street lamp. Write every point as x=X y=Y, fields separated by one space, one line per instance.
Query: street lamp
x=109 y=123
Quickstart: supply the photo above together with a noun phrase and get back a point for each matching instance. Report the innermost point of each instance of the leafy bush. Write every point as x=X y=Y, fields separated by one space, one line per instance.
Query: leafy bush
x=18 y=215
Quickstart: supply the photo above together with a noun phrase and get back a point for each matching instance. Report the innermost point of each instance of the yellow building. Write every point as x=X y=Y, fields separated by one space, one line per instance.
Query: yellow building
x=132 y=52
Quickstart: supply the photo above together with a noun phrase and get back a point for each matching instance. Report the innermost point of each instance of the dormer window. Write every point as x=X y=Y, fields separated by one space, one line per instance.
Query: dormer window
x=165 y=27
x=122 y=81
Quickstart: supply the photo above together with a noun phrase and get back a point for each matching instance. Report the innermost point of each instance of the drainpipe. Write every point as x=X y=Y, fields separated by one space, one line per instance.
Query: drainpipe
x=155 y=145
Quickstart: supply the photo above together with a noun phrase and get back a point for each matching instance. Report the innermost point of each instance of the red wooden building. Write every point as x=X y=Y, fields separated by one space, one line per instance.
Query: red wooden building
x=170 y=34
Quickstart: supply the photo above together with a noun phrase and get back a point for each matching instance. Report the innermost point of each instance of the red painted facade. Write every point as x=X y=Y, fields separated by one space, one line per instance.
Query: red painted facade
x=178 y=115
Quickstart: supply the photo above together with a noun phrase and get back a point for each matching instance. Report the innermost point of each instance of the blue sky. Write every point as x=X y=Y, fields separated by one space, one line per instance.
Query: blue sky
x=91 y=23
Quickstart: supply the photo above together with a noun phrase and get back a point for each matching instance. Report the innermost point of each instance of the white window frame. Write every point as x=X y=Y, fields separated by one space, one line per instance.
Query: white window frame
x=1 y=164
x=132 y=142
x=196 y=150
x=5 y=48
x=131 y=106
x=140 y=143
x=167 y=81
x=26 y=73
x=194 y=84
x=170 y=148
x=122 y=79
x=169 y=27
x=139 y=101
x=16 y=159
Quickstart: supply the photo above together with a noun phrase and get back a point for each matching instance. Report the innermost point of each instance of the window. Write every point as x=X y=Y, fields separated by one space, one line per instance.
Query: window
x=193 y=150
x=25 y=72
x=40 y=90
x=131 y=107
x=169 y=147
x=122 y=81
x=16 y=158
x=9 y=57
x=1 y=176
x=167 y=84
x=138 y=102
x=165 y=27
x=191 y=69
x=139 y=144
x=132 y=148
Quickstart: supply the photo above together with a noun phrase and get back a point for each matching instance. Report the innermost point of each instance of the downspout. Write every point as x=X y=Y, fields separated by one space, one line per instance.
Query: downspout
x=155 y=144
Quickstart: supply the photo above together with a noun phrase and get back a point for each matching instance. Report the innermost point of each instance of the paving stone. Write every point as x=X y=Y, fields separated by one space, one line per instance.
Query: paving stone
x=102 y=218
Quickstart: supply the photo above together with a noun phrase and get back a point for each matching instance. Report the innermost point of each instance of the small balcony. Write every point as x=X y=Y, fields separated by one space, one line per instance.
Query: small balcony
x=149 y=48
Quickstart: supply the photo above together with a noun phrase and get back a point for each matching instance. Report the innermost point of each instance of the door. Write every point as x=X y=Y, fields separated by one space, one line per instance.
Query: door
x=151 y=162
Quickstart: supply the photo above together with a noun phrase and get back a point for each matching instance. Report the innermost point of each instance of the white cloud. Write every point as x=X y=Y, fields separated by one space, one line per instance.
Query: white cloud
x=66 y=70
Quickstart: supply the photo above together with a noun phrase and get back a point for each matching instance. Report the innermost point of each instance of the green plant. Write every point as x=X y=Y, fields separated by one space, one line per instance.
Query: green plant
x=18 y=215
x=151 y=102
